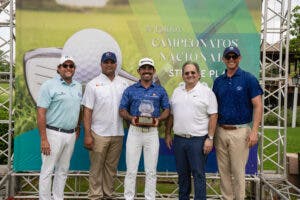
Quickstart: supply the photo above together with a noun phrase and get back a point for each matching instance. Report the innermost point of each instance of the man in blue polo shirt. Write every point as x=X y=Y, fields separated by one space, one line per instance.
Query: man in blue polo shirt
x=239 y=103
x=58 y=109
x=144 y=98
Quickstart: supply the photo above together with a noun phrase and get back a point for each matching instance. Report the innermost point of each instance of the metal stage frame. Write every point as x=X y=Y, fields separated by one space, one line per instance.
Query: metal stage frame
x=267 y=184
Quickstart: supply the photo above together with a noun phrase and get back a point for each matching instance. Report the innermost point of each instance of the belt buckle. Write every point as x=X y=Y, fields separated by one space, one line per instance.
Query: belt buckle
x=145 y=129
x=187 y=136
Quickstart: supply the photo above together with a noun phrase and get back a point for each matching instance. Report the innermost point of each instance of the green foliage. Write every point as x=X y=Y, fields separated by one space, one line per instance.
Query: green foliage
x=4 y=64
x=3 y=145
x=295 y=31
x=272 y=119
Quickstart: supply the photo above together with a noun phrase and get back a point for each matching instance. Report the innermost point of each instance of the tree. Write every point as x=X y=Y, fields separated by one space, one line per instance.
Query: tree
x=295 y=32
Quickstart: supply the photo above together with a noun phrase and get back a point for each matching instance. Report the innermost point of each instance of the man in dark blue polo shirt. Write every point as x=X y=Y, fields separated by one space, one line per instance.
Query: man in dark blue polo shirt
x=239 y=103
x=144 y=98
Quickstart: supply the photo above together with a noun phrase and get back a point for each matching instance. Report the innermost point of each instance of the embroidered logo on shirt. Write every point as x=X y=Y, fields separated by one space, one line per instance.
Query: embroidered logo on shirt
x=239 y=88
x=154 y=94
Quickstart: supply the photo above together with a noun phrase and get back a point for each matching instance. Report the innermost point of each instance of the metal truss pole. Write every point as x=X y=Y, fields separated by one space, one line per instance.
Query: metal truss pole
x=275 y=57
x=7 y=25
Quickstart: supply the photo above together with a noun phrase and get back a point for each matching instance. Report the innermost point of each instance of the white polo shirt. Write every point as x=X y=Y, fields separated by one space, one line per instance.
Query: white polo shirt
x=191 y=109
x=103 y=96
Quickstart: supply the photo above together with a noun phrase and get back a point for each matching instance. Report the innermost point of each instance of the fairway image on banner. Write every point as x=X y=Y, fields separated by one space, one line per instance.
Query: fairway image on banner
x=170 y=32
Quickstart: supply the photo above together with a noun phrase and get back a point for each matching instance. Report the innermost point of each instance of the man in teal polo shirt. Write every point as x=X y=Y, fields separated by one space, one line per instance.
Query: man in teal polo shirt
x=58 y=109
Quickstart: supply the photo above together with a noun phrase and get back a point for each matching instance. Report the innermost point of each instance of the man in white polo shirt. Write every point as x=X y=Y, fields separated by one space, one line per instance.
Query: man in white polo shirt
x=58 y=109
x=193 y=118
x=103 y=127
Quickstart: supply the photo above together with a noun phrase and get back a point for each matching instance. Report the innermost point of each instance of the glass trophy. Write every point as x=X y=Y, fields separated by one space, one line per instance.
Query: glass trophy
x=145 y=119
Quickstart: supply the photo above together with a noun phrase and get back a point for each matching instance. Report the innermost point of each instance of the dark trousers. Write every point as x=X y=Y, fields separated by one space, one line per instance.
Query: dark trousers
x=190 y=159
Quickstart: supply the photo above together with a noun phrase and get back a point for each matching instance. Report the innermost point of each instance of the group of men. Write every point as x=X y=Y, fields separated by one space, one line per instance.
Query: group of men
x=201 y=119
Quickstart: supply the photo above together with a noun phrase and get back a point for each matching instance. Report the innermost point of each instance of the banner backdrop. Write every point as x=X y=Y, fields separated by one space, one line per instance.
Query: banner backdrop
x=170 y=31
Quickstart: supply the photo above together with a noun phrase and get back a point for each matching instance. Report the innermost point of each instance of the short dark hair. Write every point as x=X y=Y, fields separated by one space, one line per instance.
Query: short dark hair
x=190 y=63
x=59 y=65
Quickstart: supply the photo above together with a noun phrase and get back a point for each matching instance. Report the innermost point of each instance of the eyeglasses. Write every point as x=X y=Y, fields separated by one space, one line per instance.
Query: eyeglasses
x=146 y=67
x=191 y=72
x=228 y=57
x=71 y=66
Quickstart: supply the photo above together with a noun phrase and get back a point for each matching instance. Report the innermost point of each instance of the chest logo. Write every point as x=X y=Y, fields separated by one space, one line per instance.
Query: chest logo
x=239 y=88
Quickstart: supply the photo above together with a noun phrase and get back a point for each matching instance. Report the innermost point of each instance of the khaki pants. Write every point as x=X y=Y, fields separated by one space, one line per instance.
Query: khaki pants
x=104 y=160
x=232 y=155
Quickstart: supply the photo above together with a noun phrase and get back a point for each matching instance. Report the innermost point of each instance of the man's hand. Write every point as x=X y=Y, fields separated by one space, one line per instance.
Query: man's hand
x=45 y=147
x=208 y=145
x=252 y=138
x=133 y=119
x=156 y=122
x=168 y=141
x=88 y=142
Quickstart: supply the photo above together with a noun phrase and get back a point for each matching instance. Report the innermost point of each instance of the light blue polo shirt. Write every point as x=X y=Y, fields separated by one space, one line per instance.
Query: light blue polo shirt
x=62 y=102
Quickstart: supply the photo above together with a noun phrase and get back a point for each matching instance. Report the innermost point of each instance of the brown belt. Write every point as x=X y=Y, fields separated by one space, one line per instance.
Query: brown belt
x=228 y=127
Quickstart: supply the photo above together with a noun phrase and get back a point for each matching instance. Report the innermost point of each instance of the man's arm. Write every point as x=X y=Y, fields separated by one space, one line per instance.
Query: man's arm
x=87 y=121
x=78 y=123
x=208 y=144
x=169 y=125
x=125 y=115
x=164 y=115
x=257 y=114
x=41 y=123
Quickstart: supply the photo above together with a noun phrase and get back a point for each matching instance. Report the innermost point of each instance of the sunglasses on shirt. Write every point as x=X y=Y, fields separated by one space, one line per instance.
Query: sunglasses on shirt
x=228 y=57
x=71 y=66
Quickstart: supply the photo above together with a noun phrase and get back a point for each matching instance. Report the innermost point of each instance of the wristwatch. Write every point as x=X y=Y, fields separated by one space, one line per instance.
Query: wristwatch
x=210 y=137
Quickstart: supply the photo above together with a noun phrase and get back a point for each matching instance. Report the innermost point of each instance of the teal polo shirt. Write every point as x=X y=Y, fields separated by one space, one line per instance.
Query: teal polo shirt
x=62 y=102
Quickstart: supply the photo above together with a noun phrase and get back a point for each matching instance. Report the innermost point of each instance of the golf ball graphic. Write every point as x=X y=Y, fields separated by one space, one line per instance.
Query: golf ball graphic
x=86 y=47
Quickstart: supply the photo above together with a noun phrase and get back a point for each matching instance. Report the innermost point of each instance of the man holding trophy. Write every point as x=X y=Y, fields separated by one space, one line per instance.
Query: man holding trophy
x=141 y=105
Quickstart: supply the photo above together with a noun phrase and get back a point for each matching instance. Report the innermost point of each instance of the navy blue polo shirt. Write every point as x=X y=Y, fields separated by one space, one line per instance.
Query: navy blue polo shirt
x=234 y=96
x=134 y=94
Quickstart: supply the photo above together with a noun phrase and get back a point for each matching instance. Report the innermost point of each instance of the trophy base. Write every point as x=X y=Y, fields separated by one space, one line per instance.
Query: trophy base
x=145 y=121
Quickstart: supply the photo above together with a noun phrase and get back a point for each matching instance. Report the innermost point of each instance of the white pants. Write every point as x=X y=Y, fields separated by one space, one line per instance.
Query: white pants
x=61 y=145
x=137 y=141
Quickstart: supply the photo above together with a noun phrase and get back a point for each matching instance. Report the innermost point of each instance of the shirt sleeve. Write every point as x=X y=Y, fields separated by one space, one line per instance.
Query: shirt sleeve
x=212 y=105
x=88 y=99
x=124 y=104
x=171 y=102
x=214 y=89
x=254 y=87
x=165 y=104
x=44 y=98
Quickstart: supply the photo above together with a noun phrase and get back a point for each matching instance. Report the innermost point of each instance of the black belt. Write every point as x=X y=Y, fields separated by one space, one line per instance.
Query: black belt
x=61 y=129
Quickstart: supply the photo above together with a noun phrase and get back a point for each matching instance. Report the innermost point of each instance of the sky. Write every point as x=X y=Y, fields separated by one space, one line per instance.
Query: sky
x=4 y=31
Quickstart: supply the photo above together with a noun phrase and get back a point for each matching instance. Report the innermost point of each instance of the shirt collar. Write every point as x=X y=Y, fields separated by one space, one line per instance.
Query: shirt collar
x=237 y=73
x=105 y=78
x=138 y=84
x=62 y=81
x=182 y=85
